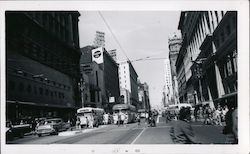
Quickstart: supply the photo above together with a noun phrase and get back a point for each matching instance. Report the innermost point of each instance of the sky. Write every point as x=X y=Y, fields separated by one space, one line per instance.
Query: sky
x=140 y=34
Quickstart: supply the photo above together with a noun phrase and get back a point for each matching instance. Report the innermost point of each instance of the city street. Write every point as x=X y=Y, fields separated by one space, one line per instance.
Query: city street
x=129 y=134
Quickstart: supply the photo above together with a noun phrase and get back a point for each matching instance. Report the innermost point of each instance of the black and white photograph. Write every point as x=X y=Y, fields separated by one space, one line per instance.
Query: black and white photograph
x=123 y=80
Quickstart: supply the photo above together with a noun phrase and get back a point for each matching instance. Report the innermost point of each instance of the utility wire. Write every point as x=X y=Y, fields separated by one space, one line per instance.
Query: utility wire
x=113 y=35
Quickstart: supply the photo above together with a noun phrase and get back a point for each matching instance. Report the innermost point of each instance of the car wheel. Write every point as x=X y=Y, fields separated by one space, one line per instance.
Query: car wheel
x=39 y=135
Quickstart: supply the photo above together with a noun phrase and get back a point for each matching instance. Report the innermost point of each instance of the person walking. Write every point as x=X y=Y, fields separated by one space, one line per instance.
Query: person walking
x=122 y=118
x=87 y=122
x=228 y=128
x=138 y=119
x=182 y=131
x=119 y=119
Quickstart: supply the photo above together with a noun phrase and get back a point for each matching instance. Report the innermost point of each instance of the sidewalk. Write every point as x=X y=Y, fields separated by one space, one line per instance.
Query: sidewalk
x=74 y=131
x=208 y=134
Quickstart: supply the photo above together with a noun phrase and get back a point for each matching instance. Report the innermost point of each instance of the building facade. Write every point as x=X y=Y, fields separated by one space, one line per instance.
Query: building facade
x=174 y=44
x=112 y=53
x=42 y=54
x=143 y=94
x=209 y=38
x=99 y=39
x=110 y=77
x=168 y=87
x=95 y=85
x=128 y=80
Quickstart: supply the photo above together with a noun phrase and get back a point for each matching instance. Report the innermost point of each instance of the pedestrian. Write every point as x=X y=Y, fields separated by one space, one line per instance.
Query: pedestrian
x=235 y=125
x=78 y=123
x=138 y=118
x=122 y=118
x=182 y=131
x=228 y=128
x=168 y=116
x=91 y=122
x=119 y=119
x=200 y=114
x=146 y=118
x=126 y=119
x=87 y=122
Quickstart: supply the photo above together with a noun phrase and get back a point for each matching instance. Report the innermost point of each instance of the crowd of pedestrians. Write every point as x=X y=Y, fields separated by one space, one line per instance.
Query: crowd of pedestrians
x=211 y=116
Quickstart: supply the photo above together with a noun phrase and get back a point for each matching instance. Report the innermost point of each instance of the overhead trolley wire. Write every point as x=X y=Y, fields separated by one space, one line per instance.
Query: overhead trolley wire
x=113 y=35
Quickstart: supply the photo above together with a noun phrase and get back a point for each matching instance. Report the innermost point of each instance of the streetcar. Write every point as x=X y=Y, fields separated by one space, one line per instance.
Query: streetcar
x=128 y=110
x=90 y=113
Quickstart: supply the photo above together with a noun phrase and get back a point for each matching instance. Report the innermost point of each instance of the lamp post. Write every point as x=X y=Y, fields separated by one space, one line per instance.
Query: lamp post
x=82 y=90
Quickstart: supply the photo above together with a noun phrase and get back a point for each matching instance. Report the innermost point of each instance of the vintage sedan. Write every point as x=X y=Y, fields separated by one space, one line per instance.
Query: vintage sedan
x=19 y=130
x=52 y=126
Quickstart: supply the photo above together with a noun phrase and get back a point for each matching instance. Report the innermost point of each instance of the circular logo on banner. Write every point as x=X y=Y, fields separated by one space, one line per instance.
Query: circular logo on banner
x=97 y=54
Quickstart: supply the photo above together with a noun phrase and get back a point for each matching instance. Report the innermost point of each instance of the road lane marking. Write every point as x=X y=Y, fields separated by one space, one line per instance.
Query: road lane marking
x=138 y=136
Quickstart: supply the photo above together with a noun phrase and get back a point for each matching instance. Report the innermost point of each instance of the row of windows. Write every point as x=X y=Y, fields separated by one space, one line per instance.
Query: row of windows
x=226 y=31
x=57 y=23
x=21 y=87
x=229 y=66
x=40 y=79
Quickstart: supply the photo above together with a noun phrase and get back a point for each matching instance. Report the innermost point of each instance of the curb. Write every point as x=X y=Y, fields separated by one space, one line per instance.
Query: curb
x=75 y=132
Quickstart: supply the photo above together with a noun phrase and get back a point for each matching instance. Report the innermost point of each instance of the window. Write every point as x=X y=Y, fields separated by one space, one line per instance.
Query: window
x=229 y=67
x=235 y=61
x=21 y=87
x=51 y=94
x=35 y=90
x=28 y=89
x=46 y=92
x=12 y=85
x=86 y=97
x=222 y=37
x=41 y=91
x=228 y=29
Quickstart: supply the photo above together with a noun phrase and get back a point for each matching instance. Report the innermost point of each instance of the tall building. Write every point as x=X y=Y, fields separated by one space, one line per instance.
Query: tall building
x=99 y=39
x=111 y=92
x=168 y=82
x=174 y=44
x=210 y=39
x=143 y=94
x=42 y=54
x=128 y=80
x=112 y=53
x=95 y=85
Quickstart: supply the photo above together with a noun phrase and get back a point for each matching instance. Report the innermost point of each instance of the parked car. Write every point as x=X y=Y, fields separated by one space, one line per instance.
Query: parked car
x=52 y=126
x=16 y=130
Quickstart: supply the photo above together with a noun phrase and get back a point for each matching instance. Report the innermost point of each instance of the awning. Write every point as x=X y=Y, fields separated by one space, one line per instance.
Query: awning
x=40 y=105
x=226 y=96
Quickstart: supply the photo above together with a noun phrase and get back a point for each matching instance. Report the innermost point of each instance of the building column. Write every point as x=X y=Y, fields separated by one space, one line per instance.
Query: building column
x=70 y=28
x=219 y=84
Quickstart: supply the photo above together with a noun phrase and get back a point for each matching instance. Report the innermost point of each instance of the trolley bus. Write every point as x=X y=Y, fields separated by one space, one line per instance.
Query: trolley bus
x=95 y=114
x=126 y=109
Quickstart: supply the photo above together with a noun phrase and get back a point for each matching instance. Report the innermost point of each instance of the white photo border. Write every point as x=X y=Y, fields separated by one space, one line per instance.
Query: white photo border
x=241 y=6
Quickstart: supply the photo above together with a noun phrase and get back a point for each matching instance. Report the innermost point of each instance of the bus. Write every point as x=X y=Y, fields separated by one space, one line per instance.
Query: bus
x=95 y=114
x=179 y=106
x=174 y=109
x=127 y=109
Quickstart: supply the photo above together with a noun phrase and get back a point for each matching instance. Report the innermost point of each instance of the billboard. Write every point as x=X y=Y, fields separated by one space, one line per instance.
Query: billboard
x=97 y=55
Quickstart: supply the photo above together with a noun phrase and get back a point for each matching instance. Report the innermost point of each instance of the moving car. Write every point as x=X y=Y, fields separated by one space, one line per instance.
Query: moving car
x=52 y=126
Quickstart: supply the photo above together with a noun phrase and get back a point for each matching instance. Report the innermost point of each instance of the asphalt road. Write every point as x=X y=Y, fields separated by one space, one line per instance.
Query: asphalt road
x=129 y=134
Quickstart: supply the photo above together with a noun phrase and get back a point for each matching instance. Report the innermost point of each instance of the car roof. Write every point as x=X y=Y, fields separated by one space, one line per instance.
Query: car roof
x=53 y=119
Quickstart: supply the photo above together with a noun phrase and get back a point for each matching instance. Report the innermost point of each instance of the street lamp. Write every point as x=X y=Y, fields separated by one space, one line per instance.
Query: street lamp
x=82 y=86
